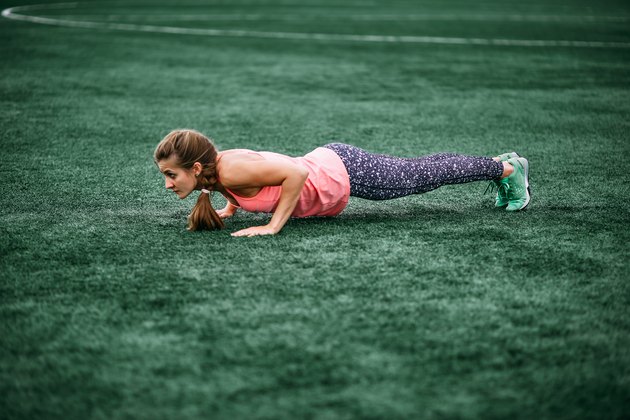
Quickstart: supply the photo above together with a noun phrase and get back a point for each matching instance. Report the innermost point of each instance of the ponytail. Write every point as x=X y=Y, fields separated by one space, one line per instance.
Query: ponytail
x=203 y=215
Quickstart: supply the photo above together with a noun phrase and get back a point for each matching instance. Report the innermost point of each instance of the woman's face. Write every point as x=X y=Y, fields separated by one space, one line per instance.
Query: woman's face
x=181 y=181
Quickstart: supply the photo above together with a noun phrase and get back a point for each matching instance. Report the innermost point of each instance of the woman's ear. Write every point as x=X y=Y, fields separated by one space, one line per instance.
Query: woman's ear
x=197 y=168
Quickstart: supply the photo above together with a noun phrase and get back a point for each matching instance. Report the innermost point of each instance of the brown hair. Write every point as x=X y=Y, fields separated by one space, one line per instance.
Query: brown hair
x=190 y=146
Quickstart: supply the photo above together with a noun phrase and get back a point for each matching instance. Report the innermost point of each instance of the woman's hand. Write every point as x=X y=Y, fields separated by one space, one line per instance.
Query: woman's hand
x=227 y=212
x=256 y=231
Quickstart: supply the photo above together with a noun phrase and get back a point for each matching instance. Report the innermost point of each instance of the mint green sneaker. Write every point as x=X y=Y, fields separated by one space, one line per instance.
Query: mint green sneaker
x=501 y=185
x=518 y=192
x=501 y=199
x=506 y=156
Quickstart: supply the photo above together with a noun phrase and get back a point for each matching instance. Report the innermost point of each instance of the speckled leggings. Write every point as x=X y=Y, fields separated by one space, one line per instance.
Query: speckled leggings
x=383 y=177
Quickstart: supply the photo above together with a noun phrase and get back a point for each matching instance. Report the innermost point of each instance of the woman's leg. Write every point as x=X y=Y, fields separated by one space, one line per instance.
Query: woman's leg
x=383 y=177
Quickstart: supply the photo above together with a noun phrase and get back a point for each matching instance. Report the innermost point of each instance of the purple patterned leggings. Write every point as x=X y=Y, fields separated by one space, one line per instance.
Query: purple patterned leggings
x=383 y=177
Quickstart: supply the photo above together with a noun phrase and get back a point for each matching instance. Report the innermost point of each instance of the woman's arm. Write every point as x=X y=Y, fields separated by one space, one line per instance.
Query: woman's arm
x=262 y=174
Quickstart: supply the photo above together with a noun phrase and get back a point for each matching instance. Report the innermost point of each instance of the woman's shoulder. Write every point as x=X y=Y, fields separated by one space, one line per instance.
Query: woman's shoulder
x=238 y=155
x=232 y=152
x=232 y=162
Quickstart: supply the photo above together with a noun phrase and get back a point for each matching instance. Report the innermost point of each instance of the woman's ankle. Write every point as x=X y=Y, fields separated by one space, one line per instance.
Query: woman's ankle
x=508 y=169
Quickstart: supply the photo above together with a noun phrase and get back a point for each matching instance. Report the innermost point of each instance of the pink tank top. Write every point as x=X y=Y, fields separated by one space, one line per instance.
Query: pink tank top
x=325 y=191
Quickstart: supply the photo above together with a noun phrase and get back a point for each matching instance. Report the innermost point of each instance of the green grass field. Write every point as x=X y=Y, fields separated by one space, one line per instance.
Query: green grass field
x=435 y=306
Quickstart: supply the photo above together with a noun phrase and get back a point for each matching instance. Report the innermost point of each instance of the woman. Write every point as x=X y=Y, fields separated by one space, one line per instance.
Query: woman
x=319 y=183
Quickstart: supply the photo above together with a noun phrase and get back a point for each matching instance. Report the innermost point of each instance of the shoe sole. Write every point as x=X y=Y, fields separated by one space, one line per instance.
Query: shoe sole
x=529 y=194
x=529 y=191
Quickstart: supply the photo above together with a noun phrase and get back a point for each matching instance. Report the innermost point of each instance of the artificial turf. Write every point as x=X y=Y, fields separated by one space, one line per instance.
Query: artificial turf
x=431 y=306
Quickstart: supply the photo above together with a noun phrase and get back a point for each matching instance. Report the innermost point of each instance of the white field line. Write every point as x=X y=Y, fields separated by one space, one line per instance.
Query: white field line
x=11 y=14
x=354 y=17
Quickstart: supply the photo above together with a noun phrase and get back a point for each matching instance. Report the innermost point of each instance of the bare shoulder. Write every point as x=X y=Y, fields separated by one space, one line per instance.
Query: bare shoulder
x=233 y=163
x=245 y=169
x=238 y=154
x=229 y=159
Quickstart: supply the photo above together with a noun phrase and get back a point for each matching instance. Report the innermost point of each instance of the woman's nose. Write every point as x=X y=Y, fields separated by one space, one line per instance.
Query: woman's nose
x=168 y=184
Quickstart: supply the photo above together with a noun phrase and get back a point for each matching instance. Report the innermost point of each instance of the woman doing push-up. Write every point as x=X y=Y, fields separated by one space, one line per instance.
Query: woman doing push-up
x=319 y=183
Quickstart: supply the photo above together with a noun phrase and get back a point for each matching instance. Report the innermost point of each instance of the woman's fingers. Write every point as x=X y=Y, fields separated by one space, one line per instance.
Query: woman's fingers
x=255 y=231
